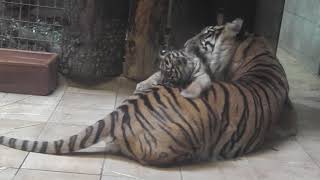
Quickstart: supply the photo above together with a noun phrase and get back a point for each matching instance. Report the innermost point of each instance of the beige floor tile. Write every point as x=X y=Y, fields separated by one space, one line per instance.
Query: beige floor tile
x=7 y=173
x=88 y=164
x=28 y=112
x=78 y=116
x=117 y=178
x=19 y=129
x=9 y=98
x=106 y=88
x=151 y=173
x=88 y=101
x=42 y=100
x=274 y=171
x=2 y=95
x=25 y=174
x=118 y=166
x=11 y=157
x=203 y=172
x=9 y=125
x=311 y=145
x=78 y=90
x=227 y=170
x=22 y=129
x=288 y=152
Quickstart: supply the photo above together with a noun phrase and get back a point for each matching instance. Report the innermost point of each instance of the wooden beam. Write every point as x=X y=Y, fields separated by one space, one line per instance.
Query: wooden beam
x=143 y=38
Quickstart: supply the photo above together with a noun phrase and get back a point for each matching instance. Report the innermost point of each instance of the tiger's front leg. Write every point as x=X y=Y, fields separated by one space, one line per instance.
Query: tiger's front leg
x=200 y=84
x=152 y=81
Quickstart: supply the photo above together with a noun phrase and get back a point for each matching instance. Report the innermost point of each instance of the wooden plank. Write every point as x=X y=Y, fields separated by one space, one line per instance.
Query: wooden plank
x=143 y=39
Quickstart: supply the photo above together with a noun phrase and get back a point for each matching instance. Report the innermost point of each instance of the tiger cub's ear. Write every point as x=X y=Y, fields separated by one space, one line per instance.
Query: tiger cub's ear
x=235 y=26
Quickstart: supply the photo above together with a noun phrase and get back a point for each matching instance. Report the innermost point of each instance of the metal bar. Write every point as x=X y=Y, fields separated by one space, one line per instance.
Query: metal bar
x=54 y=16
x=23 y=38
x=18 y=46
x=3 y=6
x=37 y=10
x=38 y=5
x=27 y=45
x=36 y=23
x=20 y=10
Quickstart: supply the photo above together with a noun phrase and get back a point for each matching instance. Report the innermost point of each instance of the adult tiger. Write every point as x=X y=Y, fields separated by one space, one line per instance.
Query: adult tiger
x=161 y=127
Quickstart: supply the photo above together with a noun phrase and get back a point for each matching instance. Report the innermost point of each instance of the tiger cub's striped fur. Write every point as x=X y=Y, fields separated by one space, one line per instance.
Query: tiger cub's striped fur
x=161 y=127
x=179 y=69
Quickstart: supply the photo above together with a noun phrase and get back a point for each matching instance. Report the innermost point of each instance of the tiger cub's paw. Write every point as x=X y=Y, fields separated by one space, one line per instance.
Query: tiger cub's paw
x=143 y=87
x=191 y=92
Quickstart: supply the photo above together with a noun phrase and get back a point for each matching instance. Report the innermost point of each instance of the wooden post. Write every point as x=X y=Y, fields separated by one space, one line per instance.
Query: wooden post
x=143 y=39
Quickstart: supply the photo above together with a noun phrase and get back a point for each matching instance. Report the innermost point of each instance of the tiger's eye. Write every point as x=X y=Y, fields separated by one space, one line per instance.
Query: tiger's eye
x=163 y=52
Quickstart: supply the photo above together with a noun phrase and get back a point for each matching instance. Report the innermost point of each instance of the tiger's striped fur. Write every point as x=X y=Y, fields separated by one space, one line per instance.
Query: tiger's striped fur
x=161 y=127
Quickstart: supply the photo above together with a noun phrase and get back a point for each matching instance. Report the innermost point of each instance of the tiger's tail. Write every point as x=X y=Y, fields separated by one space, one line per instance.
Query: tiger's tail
x=87 y=137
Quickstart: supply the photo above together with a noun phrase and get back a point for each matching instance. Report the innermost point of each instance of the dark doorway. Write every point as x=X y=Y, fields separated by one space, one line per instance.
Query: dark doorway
x=260 y=16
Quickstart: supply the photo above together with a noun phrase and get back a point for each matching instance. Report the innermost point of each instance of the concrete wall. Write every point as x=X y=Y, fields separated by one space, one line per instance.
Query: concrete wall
x=300 y=32
x=268 y=19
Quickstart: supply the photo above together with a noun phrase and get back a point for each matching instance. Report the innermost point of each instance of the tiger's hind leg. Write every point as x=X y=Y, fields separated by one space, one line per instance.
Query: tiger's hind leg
x=200 y=84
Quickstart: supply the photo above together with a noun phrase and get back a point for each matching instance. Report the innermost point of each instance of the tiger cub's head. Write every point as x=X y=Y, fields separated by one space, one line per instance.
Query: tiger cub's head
x=215 y=44
x=176 y=66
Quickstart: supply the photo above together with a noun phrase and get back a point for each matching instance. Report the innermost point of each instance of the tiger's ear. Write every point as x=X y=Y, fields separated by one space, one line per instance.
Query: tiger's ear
x=235 y=26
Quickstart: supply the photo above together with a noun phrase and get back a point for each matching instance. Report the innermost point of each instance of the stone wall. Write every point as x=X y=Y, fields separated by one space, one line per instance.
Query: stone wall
x=300 y=32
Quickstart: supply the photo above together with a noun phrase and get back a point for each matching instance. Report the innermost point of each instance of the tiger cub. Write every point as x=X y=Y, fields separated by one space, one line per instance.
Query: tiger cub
x=197 y=66
x=179 y=69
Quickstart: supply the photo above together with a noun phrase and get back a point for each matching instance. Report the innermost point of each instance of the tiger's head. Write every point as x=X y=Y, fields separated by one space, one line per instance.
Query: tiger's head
x=215 y=44
x=176 y=66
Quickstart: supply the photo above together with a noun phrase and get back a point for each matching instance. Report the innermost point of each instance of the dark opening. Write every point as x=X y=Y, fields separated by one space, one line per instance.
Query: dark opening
x=190 y=16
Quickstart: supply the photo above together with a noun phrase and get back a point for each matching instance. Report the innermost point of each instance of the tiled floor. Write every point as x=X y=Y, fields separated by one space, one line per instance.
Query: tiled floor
x=71 y=107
